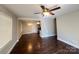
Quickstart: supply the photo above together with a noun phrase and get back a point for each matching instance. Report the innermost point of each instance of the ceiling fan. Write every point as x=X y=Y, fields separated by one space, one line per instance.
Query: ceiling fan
x=47 y=11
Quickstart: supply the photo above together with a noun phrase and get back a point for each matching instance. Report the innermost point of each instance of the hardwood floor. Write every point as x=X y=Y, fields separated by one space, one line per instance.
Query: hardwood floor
x=33 y=44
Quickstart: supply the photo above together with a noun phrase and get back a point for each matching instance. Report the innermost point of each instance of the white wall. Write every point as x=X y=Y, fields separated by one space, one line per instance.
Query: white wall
x=8 y=30
x=28 y=29
x=19 y=29
x=68 y=28
x=47 y=27
x=5 y=29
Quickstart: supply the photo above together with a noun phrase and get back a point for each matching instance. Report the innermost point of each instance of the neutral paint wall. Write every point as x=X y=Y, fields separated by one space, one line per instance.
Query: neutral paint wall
x=28 y=29
x=19 y=29
x=47 y=27
x=8 y=30
x=68 y=28
x=5 y=29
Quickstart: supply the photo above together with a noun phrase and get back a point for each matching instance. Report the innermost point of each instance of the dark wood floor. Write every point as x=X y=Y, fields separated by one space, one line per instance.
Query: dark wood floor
x=33 y=44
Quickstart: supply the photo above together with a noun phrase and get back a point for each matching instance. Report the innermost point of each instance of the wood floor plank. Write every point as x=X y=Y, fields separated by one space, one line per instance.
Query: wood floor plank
x=34 y=44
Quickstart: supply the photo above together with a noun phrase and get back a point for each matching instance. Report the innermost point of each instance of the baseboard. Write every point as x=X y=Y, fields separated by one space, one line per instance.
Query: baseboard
x=12 y=47
x=29 y=33
x=47 y=35
x=19 y=36
x=58 y=38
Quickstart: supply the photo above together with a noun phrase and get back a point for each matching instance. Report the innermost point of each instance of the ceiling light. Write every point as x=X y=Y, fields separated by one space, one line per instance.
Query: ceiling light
x=46 y=13
x=29 y=24
x=38 y=23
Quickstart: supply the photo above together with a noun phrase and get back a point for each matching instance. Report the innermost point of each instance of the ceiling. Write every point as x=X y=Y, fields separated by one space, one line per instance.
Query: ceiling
x=28 y=10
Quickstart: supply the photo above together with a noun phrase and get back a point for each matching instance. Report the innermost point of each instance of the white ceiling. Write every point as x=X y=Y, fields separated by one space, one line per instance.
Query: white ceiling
x=28 y=10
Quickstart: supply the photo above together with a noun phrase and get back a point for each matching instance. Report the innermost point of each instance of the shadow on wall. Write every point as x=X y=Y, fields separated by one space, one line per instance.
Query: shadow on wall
x=48 y=27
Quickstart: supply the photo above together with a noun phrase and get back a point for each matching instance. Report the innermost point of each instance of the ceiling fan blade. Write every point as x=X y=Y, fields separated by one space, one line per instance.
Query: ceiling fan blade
x=55 y=8
x=37 y=13
x=52 y=13
x=42 y=7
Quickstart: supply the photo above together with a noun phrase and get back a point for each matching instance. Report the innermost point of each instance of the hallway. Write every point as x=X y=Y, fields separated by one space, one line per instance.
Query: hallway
x=22 y=22
x=33 y=44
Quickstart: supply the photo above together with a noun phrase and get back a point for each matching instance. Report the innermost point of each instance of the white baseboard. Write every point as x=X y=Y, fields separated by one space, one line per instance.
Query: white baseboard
x=12 y=47
x=29 y=33
x=47 y=35
x=76 y=46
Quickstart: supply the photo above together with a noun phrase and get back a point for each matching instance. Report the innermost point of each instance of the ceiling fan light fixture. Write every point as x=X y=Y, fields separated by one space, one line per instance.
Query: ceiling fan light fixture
x=46 y=13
